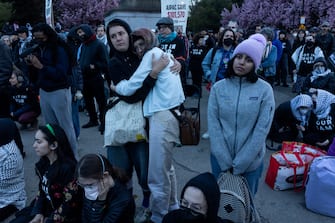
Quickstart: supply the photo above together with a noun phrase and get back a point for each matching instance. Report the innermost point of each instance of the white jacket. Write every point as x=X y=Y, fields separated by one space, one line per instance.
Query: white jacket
x=167 y=92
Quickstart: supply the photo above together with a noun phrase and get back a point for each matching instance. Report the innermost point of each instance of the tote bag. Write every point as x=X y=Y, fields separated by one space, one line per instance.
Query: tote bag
x=124 y=123
x=320 y=187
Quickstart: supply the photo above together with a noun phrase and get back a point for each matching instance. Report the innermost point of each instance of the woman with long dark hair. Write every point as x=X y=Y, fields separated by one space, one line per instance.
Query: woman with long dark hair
x=51 y=65
x=58 y=199
x=106 y=196
x=240 y=112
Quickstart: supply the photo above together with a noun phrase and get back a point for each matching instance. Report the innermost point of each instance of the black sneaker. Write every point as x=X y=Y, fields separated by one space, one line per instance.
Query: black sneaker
x=90 y=124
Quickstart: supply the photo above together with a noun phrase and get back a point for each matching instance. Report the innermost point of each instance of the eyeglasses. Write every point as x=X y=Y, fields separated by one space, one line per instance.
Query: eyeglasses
x=196 y=209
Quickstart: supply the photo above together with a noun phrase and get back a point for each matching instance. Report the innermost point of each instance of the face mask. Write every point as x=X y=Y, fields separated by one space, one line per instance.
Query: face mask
x=309 y=43
x=320 y=69
x=188 y=215
x=83 y=37
x=92 y=192
x=303 y=111
x=228 y=42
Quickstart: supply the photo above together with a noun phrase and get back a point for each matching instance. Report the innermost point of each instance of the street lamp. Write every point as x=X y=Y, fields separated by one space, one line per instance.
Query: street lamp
x=302 y=16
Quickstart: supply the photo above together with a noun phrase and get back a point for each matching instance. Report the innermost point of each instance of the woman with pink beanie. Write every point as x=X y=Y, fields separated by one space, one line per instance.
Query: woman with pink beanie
x=240 y=113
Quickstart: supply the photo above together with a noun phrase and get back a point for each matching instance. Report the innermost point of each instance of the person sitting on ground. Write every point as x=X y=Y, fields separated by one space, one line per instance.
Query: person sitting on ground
x=24 y=107
x=200 y=201
x=321 y=125
x=58 y=199
x=320 y=78
x=291 y=118
x=12 y=193
x=106 y=196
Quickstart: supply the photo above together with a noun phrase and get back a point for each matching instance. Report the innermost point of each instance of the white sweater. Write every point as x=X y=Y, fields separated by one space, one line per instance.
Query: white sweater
x=167 y=92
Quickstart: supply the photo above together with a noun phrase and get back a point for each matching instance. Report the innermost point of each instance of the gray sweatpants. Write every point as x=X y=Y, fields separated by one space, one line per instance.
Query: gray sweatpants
x=163 y=135
x=56 y=109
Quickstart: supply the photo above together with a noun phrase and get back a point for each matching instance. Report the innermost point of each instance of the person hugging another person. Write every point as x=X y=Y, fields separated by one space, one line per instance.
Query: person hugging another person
x=58 y=198
x=240 y=113
x=167 y=94
x=106 y=196
x=25 y=107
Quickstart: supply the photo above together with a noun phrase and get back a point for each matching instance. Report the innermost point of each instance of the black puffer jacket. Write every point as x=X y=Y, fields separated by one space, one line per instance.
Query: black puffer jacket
x=119 y=207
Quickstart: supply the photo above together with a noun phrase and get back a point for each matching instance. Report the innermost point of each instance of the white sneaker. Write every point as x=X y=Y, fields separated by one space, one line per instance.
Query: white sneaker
x=205 y=135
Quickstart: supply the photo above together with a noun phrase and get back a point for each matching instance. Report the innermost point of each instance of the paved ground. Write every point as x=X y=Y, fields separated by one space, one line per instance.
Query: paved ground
x=274 y=206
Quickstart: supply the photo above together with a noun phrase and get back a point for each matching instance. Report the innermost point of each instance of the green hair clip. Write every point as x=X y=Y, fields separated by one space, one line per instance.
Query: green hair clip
x=52 y=131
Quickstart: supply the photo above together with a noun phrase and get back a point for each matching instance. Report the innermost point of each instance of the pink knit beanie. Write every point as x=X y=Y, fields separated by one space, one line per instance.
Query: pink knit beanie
x=254 y=47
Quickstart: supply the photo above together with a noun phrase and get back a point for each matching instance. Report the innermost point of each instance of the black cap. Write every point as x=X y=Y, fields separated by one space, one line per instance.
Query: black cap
x=22 y=29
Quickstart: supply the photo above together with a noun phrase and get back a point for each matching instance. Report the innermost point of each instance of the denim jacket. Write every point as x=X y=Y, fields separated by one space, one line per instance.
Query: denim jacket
x=269 y=64
x=211 y=69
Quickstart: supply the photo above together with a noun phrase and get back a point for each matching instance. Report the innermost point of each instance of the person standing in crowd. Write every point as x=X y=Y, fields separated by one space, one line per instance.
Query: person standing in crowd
x=283 y=66
x=58 y=198
x=74 y=44
x=320 y=78
x=198 y=52
x=123 y=64
x=268 y=65
x=299 y=40
x=199 y=203
x=93 y=60
x=25 y=107
x=106 y=196
x=215 y=63
x=290 y=120
x=303 y=58
x=22 y=45
x=12 y=184
x=321 y=125
x=164 y=128
x=101 y=35
x=6 y=67
x=240 y=112
x=169 y=42
x=325 y=40
x=51 y=67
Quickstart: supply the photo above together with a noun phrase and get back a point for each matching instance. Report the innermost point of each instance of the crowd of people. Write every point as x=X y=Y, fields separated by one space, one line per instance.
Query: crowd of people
x=44 y=71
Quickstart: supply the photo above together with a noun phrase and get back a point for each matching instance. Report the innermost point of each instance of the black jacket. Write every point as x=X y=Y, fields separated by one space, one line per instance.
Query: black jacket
x=63 y=198
x=119 y=207
x=93 y=51
x=326 y=83
x=121 y=67
x=321 y=130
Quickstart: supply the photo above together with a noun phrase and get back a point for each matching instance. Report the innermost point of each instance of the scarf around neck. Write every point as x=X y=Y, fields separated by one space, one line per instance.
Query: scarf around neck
x=316 y=75
x=168 y=38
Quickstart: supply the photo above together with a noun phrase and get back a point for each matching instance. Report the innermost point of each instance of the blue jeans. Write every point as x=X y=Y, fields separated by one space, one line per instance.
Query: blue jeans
x=75 y=117
x=252 y=177
x=130 y=156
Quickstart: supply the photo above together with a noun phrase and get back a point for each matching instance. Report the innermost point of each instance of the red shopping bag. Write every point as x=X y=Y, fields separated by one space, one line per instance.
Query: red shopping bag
x=302 y=148
x=289 y=167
